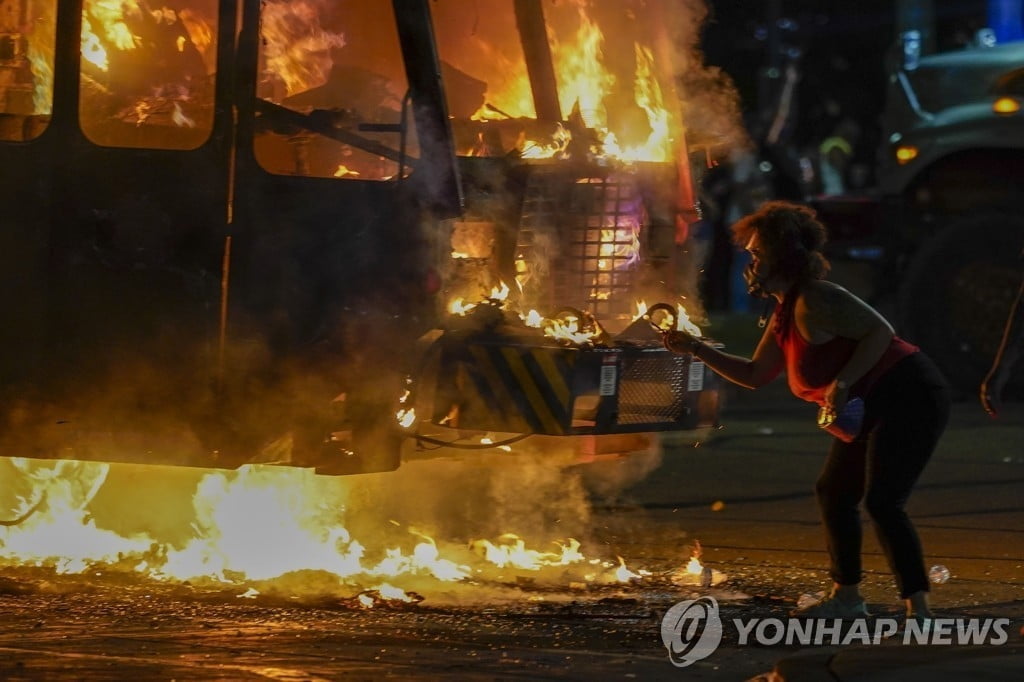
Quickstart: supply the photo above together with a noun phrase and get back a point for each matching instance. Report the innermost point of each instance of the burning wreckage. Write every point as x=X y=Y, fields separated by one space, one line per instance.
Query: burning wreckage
x=270 y=220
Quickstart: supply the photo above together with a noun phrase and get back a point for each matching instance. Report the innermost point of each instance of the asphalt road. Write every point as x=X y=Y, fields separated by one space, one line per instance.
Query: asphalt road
x=743 y=492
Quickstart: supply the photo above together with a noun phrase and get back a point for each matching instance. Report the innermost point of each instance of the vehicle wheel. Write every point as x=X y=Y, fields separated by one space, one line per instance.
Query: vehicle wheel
x=957 y=293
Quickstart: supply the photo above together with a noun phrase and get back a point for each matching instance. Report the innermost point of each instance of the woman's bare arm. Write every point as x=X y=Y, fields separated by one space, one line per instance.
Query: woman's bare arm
x=754 y=372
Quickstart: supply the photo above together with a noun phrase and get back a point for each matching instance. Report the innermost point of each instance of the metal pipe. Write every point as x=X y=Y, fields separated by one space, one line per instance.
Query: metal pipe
x=534 y=38
x=441 y=183
x=225 y=282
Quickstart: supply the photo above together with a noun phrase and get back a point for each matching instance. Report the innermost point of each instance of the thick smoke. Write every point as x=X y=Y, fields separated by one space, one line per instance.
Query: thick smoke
x=128 y=403
x=709 y=99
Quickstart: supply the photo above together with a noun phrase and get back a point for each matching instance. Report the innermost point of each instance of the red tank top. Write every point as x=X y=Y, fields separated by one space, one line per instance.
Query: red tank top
x=811 y=367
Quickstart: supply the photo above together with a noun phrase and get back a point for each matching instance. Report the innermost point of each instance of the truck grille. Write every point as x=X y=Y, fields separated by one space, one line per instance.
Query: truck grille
x=579 y=241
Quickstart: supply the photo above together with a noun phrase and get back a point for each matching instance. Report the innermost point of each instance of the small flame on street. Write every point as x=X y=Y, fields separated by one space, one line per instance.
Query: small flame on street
x=623 y=574
x=511 y=550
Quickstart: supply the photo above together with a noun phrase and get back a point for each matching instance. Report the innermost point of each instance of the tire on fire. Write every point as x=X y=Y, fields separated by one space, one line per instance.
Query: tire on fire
x=958 y=291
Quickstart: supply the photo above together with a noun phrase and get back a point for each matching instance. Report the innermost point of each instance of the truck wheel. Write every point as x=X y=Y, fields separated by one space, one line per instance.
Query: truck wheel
x=957 y=294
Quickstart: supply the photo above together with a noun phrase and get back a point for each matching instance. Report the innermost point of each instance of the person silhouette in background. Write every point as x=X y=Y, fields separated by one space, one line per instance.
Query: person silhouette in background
x=835 y=154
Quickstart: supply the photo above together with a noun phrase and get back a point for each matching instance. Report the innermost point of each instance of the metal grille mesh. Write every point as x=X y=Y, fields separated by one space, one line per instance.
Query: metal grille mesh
x=653 y=389
x=537 y=243
x=582 y=238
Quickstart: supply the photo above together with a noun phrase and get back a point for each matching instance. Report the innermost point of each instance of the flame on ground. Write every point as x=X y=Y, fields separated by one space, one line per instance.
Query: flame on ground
x=696 y=573
x=258 y=523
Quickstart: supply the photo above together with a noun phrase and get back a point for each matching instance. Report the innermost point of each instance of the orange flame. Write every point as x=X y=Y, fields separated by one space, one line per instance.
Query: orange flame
x=582 y=77
x=570 y=328
x=498 y=295
x=256 y=523
x=40 y=54
x=296 y=46
x=683 y=322
x=585 y=84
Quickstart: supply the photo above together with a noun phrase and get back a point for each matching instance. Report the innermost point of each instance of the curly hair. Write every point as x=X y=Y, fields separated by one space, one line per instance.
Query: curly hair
x=791 y=236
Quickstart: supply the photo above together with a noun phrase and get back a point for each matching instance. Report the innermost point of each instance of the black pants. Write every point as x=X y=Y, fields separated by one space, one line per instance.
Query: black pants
x=905 y=413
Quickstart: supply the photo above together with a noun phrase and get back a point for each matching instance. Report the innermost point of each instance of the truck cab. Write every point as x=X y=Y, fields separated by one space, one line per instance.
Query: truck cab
x=954 y=161
x=943 y=231
x=236 y=231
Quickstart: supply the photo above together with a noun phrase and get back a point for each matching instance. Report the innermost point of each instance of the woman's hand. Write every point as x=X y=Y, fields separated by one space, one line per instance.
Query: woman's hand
x=836 y=396
x=680 y=342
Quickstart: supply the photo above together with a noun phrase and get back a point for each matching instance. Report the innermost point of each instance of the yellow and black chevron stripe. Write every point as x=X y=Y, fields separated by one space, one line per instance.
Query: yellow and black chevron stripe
x=529 y=387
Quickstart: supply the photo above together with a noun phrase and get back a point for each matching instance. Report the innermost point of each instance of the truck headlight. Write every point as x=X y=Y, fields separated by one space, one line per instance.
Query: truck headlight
x=905 y=153
x=1006 y=105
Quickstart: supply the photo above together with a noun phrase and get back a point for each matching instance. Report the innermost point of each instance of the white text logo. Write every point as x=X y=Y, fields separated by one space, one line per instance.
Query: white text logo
x=691 y=630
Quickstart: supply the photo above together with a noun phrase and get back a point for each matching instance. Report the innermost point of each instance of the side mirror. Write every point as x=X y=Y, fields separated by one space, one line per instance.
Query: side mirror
x=985 y=37
x=910 y=42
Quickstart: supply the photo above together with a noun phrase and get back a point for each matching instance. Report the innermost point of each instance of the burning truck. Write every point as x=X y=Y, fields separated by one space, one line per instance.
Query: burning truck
x=339 y=235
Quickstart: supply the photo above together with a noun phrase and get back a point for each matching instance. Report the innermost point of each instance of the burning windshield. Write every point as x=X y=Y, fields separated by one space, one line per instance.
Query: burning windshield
x=610 y=93
x=27 y=34
x=341 y=61
x=148 y=72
